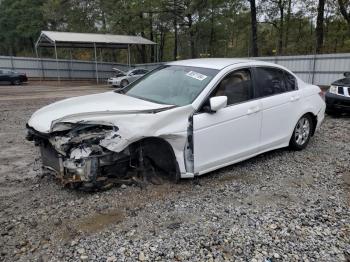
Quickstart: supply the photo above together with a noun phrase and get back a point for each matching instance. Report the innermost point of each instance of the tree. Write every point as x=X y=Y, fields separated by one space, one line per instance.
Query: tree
x=319 y=26
x=181 y=28
x=275 y=12
x=343 y=6
x=20 y=25
x=254 y=26
x=289 y=11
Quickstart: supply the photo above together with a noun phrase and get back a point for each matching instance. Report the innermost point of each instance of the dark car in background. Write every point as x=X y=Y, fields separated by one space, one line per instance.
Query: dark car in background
x=12 y=77
x=338 y=96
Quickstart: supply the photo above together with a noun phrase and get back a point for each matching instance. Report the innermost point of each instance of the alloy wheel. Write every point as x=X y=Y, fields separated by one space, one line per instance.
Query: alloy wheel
x=302 y=131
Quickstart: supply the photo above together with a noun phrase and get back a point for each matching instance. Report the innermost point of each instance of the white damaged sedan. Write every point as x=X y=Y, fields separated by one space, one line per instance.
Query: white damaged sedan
x=184 y=119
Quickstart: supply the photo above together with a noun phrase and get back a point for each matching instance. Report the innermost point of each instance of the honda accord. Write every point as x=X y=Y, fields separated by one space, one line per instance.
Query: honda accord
x=183 y=119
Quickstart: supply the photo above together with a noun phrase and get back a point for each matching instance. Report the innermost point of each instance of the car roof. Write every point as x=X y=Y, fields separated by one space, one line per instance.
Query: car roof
x=219 y=63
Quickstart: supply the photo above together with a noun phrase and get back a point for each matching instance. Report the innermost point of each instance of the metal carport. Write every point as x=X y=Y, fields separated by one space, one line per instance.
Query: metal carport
x=56 y=40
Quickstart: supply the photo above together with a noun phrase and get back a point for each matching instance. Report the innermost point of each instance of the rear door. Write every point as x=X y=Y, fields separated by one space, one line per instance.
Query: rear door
x=231 y=133
x=279 y=100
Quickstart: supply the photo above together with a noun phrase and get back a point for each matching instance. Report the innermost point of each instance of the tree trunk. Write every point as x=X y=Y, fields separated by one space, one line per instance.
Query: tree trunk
x=142 y=51
x=254 y=27
x=151 y=37
x=281 y=27
x=161 y=45
x=319 y=26
x=287 y=24
x=343 y=11
x=211 y=42
x=192 y=44
x=175 y=38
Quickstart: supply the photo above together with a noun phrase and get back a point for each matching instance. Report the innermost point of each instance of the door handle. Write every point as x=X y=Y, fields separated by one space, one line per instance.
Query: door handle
x=294 y=98
x=253 y=110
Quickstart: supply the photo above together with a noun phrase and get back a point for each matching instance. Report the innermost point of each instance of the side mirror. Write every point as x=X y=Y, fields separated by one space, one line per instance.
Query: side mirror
x=217 y=103
x=347 y=74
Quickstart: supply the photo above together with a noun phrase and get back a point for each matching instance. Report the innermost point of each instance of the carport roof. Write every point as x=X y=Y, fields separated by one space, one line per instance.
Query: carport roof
x=69 y=39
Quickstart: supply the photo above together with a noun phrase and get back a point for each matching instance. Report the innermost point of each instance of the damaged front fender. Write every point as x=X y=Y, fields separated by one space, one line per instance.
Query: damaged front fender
x=99 y=147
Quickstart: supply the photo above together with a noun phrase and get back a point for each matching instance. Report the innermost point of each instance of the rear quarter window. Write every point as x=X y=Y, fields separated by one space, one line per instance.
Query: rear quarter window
x=291 y=81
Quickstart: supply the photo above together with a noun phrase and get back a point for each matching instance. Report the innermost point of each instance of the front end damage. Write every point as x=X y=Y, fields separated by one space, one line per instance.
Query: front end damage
x=95 y=156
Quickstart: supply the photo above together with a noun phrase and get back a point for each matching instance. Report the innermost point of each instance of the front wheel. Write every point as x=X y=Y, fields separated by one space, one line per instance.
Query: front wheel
x=16 y=82
x=124 y=83
x=302 y=133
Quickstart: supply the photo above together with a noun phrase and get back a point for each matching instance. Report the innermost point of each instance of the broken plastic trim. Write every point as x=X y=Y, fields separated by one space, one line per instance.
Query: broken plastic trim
x=81 y=155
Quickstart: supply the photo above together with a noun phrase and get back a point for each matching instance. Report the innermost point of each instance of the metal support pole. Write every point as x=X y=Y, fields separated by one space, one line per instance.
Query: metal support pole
x=37 y=59
x=313 y=69
x=70 y=64
x=96 y=67
x=42 y=65
x=57 y=66
x=12 y=66
x=129 y=60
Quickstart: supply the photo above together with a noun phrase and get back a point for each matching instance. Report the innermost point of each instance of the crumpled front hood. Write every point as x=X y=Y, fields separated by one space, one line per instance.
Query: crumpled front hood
x=104 y=103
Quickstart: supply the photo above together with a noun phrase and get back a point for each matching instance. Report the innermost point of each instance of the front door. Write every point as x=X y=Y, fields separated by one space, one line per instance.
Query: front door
x=232 y=133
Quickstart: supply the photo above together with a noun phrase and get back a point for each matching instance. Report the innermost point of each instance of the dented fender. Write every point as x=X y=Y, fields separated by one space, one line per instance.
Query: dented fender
x=79 y=137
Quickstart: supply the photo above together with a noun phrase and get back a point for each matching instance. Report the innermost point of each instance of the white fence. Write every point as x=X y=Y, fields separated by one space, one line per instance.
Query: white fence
x=317 y=69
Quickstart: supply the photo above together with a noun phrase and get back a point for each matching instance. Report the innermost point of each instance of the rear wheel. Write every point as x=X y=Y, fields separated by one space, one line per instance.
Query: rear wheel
x=124 y=83
x=302 y=133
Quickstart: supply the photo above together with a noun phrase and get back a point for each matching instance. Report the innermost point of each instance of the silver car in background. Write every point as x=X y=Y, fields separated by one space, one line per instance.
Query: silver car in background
x=122 y=79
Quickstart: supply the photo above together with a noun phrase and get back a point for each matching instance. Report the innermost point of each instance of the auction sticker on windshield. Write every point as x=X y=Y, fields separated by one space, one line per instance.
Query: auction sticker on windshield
x=196 y=75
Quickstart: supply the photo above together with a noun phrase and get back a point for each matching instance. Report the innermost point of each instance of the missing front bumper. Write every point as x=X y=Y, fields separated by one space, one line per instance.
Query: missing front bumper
x=87 y=171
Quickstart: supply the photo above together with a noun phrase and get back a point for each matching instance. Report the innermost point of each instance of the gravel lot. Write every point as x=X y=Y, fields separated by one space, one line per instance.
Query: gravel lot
x=279 y=206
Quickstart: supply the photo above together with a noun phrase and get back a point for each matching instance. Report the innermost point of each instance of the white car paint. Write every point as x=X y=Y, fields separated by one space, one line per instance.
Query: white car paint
x=232 y=134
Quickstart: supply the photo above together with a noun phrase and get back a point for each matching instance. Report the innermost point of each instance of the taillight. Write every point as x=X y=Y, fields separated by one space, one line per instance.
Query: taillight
x=322 y=95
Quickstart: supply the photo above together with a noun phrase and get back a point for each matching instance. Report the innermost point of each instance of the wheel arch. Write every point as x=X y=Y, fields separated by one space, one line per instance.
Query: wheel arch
x=314 y=121
x=162 y=154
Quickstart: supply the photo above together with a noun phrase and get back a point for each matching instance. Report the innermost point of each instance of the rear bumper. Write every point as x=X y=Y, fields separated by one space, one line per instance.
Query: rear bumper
x=23 y=79
x=320 y=118
x=337 y=102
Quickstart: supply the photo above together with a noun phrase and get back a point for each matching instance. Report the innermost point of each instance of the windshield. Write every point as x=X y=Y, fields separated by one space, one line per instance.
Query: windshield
x=171 y=85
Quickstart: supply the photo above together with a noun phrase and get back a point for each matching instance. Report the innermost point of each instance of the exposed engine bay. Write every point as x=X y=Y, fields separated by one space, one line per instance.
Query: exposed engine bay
x=88 y=156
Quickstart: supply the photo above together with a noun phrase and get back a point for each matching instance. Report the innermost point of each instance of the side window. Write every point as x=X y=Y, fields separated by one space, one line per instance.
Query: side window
x=237 y=86
x=291 y=82
x=269 y=81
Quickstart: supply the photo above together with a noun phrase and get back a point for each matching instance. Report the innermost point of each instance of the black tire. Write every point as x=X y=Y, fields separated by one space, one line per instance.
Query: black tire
x=302 y=133
x=333 y=112
x=124 y=83
x=16 y=82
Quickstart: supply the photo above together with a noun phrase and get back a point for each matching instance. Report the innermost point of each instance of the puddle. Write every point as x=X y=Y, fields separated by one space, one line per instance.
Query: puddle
x=99 y=221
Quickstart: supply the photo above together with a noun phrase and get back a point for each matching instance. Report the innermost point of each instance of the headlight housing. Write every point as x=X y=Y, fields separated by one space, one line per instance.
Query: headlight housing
x=333 y=90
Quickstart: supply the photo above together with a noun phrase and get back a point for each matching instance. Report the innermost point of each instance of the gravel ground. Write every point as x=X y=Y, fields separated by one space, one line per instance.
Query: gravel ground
x=279 y=206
